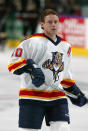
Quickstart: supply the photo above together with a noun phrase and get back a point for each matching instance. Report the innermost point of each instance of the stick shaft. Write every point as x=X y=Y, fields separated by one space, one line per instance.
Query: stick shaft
x=66 y=92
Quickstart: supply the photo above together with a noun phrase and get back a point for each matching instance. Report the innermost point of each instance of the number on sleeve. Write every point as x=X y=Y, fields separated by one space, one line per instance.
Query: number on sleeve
x=19 y=52
x=69 y=51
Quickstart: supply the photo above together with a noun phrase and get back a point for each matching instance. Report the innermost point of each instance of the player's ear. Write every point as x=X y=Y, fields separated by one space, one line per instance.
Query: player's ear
x=42 y=25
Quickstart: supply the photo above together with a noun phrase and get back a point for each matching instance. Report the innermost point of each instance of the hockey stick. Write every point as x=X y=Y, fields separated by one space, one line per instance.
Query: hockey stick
x=62 y=90
x=66 y=92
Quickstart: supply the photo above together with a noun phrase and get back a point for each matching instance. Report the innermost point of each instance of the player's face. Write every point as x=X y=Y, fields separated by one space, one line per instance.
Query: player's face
x=50 y=25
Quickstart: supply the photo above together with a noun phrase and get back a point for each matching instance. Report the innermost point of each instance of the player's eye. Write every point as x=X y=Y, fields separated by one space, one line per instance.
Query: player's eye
x=55 y=21
x=50 y=22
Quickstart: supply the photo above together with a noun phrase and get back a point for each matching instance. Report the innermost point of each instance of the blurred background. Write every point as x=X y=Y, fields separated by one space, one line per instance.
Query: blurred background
x=19 y=19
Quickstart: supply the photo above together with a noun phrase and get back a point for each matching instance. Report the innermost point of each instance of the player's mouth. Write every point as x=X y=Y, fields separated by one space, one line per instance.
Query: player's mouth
x=53 y=29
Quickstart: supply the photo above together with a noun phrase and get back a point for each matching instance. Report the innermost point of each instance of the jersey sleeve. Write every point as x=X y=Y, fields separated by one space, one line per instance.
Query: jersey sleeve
x=67 y=80
x=18 y=59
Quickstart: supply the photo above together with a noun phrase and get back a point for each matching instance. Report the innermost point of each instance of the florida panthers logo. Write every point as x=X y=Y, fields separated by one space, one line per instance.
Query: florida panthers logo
x=55 y=65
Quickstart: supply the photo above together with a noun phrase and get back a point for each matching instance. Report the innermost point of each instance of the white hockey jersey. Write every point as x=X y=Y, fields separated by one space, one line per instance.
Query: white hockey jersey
x=54 y=58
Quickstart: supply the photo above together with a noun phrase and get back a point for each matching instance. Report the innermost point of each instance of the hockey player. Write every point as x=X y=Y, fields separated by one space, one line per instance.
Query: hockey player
x=44 y=61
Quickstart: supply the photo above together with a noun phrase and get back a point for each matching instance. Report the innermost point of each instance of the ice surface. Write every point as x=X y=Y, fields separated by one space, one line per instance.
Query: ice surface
x=9 y=89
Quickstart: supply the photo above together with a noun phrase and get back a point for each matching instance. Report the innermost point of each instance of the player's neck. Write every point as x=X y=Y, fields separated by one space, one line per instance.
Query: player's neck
x=51 y=36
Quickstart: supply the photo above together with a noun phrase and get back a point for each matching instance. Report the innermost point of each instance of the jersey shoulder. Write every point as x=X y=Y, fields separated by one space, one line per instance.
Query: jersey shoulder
x=66 y=43
x=67 y=46
x=34 y=36
x=34 y=41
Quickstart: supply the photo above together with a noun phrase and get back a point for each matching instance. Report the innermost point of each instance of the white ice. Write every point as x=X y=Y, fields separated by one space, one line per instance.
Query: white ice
x=9 y=89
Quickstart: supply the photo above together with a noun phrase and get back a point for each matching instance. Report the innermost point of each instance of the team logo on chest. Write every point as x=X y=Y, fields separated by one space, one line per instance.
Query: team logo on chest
x=55 y=65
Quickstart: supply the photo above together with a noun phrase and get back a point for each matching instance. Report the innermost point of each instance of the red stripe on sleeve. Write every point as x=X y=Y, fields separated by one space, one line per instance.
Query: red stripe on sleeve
x=68 y=83
x=15 y=65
